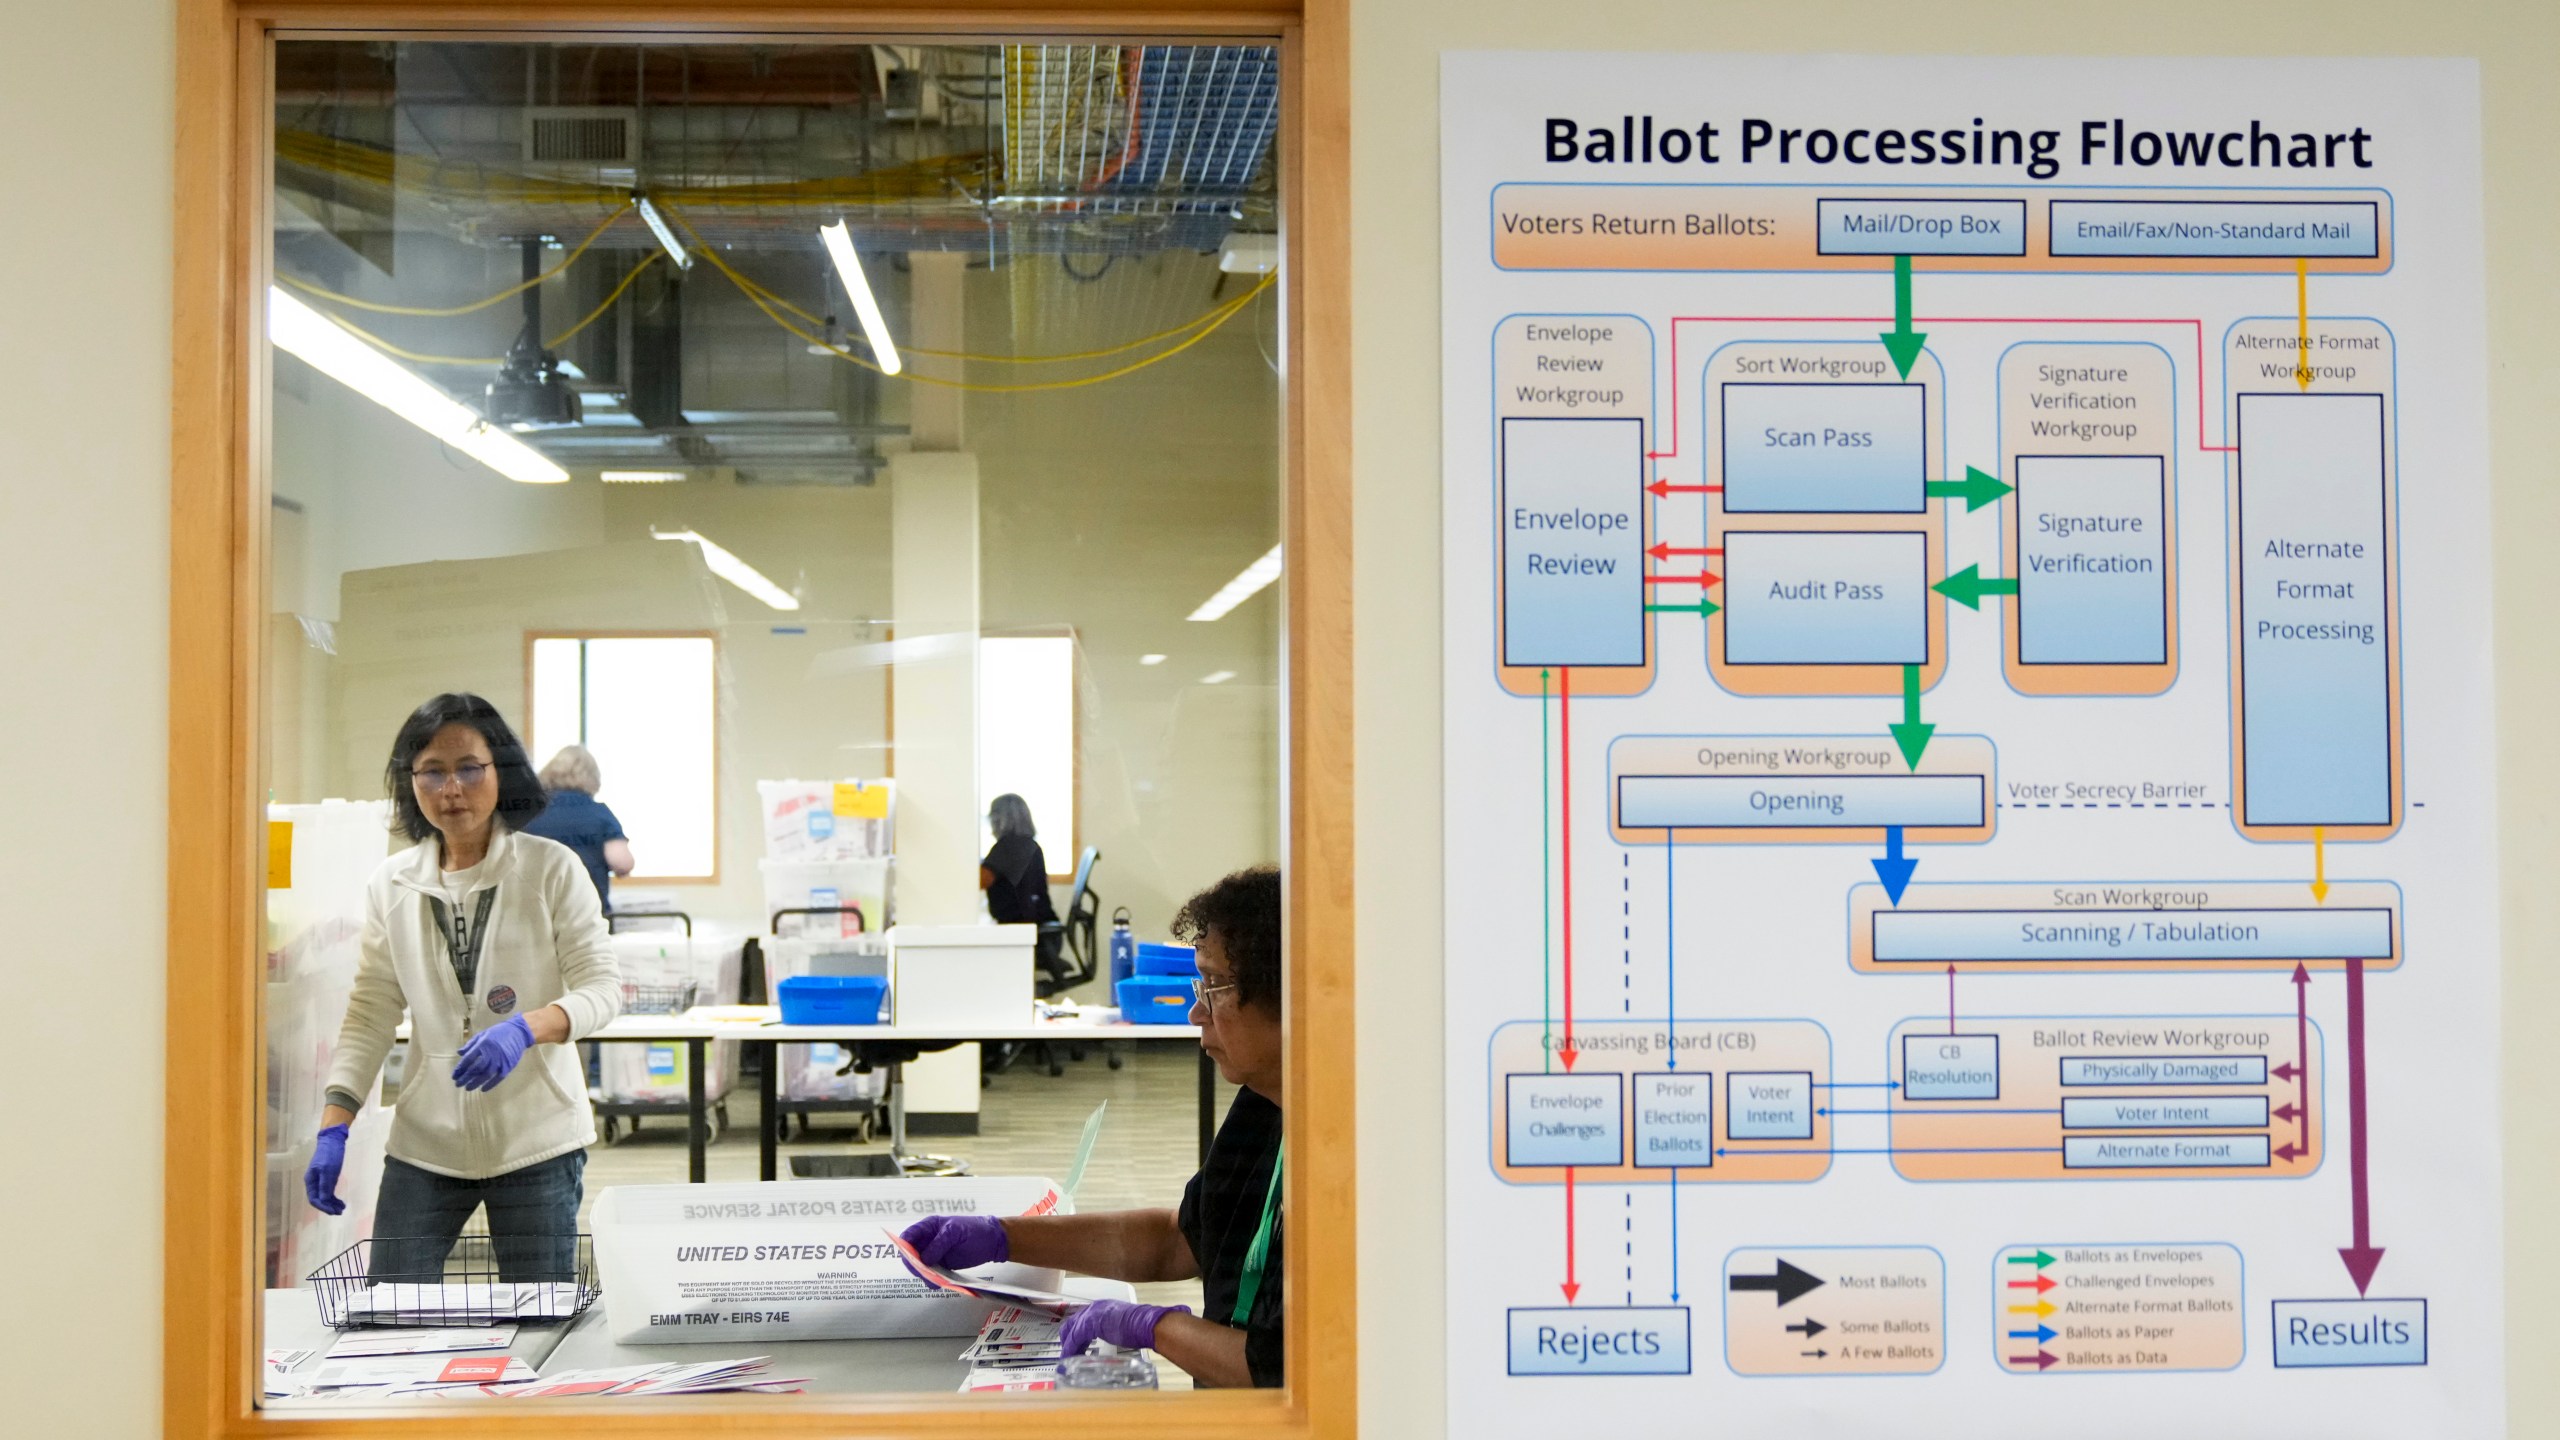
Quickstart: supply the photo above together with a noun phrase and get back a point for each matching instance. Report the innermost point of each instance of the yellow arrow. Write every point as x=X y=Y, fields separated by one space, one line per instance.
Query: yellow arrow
x=2320 y=864
x=2040 y=1308
x=2302 y=309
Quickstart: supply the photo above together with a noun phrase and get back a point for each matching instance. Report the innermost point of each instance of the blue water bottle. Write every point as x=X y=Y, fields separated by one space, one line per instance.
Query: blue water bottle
x=1124 y=948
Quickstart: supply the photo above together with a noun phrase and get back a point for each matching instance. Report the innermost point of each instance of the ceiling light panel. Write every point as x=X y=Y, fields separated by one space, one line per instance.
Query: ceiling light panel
x=1247 y=584
x=335 y=351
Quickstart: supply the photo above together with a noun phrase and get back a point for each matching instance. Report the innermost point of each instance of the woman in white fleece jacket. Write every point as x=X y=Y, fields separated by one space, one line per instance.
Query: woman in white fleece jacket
x=493 y=943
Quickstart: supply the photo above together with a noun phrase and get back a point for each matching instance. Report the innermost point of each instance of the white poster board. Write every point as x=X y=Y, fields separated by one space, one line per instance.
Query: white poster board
x=1971 y=828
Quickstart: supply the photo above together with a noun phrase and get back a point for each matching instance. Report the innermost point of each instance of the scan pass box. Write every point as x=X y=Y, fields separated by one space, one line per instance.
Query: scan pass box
x=797 y=1260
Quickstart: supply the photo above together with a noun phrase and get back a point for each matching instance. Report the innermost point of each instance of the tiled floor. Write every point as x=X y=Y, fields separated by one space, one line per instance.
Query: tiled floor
x=1028 y=1125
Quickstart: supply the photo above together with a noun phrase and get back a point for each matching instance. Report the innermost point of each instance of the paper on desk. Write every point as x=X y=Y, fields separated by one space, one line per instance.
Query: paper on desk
x=731 y=1015
x=449 y=1304
x=941 y=1279
x=359 y=1344
x=661 y=1379
x=421 y=1372
x=988 y=1381
x=1015 y=1336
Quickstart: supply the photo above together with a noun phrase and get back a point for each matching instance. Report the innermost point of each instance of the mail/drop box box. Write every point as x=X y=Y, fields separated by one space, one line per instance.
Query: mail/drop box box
x=961 y=974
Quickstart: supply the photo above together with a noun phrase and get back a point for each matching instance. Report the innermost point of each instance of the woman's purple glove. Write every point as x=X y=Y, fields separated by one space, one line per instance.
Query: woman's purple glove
x=1124 y=1323
x=491 y=1055
x=320 y=1181
x=958 y=1242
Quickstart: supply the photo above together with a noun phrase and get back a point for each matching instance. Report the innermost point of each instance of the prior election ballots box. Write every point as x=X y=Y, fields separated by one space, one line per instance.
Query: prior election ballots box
x=961 y=974
x=794 y=1260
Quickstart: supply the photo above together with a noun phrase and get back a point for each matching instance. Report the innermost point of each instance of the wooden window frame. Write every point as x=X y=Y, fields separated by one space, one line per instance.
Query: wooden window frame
x=719 y=770
x=214 y=1112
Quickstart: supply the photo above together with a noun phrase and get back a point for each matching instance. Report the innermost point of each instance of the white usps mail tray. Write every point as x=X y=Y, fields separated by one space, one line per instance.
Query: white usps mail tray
x=796 y=1260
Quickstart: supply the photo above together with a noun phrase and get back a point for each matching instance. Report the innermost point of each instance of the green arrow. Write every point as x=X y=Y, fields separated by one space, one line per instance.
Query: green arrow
x=1902 y=342
x=1547 y=890
x=1977 y=488
x=1703 y=607
x=1911 y=734
x=1966 y=587
x=2038 y=1259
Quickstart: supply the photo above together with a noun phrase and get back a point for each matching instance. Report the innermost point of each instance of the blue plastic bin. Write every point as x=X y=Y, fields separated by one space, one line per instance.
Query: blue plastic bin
x=832 y=999
x=1155 y=959
x=1155 y=1000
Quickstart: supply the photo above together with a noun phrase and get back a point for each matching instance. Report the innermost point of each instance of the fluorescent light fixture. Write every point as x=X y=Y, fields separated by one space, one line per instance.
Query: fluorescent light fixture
x=1244 y=587
x=1150 y=659
x=334 y=350
x=657 y=224
x=734 y=570
x=839 y=243
x=640 y=477
x=1217 y=677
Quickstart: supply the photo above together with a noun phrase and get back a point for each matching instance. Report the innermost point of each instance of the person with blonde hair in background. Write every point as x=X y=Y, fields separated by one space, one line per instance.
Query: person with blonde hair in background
x=577 y=819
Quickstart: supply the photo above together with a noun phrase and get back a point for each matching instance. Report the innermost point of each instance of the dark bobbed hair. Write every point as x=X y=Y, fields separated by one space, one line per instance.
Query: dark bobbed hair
x=1010 y=814
x=1243 y=911
x=520 y=793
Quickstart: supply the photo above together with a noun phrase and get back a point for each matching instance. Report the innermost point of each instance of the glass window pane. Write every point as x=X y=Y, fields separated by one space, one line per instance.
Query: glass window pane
x=1027 y=735
x=649 y=712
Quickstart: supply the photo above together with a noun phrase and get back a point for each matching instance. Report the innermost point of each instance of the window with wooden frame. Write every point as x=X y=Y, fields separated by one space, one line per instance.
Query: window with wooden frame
x=451 y=483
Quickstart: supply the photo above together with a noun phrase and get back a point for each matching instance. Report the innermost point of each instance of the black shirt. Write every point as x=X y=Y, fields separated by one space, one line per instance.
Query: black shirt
x=1018 y=890
x=1221 y=1209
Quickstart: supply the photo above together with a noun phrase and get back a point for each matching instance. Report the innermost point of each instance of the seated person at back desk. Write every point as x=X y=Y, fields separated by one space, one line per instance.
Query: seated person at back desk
x=1227 y=1232
x=1015 y=876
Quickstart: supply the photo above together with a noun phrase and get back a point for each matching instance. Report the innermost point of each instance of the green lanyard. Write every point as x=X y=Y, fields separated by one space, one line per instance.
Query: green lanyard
x=1259 y=1255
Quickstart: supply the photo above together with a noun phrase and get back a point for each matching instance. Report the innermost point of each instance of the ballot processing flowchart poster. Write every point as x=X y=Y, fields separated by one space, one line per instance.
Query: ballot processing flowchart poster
x=1970 y=796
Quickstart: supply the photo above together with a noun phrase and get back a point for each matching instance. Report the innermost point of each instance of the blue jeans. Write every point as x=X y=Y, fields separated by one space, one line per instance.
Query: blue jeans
x=533 y=1221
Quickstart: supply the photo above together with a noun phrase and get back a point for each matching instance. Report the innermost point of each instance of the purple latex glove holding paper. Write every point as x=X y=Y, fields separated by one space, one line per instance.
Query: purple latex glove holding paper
x=957 y=1242
x=1124 y=1323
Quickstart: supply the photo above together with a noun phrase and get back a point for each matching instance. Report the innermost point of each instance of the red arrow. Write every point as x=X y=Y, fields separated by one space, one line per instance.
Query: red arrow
x=2363 y=1256
x=1564 y=745
x=1665 y=487
x=1703 y=578
x=2040 y=1284
x=1570 y=1287
x=1665 y=552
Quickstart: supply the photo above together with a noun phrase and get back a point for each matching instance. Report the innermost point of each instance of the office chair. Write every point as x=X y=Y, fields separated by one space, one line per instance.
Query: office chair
x=1069 y=938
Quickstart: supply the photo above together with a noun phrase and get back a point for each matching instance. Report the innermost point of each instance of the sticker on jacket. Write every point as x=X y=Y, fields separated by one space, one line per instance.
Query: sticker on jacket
x=502 y=999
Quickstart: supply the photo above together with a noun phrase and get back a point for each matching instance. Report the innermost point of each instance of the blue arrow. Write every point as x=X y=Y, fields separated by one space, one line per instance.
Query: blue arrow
x=1893 y=870
x=1675 y=1234
x=1910 y=1150
x=1924 y=1110
x=1671 y=1004
x=1857 y=1085
x=2040 y=1334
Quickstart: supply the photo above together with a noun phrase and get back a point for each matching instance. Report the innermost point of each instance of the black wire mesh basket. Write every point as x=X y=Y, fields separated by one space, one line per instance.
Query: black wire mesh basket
x=473 y=1280
x=658 y=999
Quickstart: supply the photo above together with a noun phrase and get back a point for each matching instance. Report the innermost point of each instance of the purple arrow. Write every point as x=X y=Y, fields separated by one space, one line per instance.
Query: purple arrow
x=2302 y=1052
x=2041 y=1360
x=2363 y=1256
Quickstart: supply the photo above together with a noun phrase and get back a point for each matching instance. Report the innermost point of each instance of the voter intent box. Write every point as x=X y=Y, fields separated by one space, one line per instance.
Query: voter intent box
x=793 y=1260
x=961 y=974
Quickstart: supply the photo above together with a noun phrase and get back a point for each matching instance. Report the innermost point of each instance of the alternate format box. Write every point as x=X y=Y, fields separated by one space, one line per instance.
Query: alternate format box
x=1572 y=525
x=1807 y=597
x=1600 y=1340
x=1893 y=225
x=1566 y=1120
x=2045 y=937
x=2322 y=1334
x=1783 y=802
x=2153 y=1112
x=2093 y=565
x=1769 y=1105
x=1675 y=1120
x=2218 y=229
x=2314 y=601
x=1837 y=449
x=2165 y=1152
x=1950 y=1067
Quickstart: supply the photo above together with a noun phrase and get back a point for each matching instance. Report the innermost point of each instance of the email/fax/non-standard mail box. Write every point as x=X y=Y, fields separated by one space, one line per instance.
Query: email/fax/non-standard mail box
x=961 y=974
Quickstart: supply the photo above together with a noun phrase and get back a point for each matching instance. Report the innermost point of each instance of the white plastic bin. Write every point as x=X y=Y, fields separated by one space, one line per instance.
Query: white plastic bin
x=961 y=974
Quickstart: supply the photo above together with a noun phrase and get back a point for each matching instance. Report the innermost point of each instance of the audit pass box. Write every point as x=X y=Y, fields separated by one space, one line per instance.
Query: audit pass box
x=960 y=974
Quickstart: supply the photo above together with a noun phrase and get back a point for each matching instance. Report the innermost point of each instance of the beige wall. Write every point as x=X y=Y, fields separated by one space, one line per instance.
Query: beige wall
x=84 y=97
x=1395 y=49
